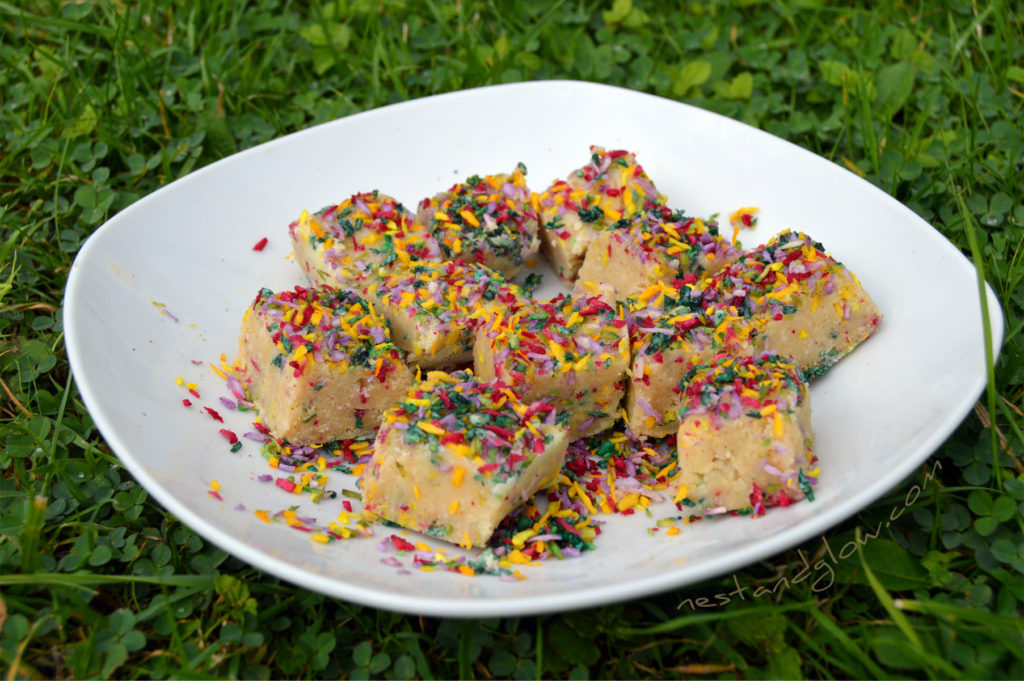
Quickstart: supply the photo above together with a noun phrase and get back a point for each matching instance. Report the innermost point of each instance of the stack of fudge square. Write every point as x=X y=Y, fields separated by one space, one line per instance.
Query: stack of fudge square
x=410 y=326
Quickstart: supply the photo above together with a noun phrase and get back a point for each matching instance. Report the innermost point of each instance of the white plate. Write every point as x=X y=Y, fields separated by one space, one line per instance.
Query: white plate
x=878 y=414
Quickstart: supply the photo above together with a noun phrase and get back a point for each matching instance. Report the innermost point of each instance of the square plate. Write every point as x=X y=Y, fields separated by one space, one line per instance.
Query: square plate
x=188 y=247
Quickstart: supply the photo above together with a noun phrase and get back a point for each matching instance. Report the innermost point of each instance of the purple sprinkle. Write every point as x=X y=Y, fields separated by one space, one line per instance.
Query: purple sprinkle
x=265 y=478
x=228 y=403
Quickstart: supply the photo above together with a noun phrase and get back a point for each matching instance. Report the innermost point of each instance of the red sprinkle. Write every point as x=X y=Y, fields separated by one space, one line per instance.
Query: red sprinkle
x=231 y=437
x=213 y=413
x=260 y=245
x=187 y=403
x=347 y=504
x=285 y=484
x=401 y=544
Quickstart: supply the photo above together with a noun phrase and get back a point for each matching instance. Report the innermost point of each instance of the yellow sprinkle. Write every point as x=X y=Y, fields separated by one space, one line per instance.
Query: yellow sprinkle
x=263 y=515
x=519 y=539
x=416 y=491
x=628 y=501
x=465 y=541
x=273 y=462
x=457 y=476
x=320 y=537
x=683 y=491
x=179 y=381
x=778 y=425
x=214 y=485
x=469 y=217
x=429 y=427
x=672 y=530
x=466 y=570
x=453 y=507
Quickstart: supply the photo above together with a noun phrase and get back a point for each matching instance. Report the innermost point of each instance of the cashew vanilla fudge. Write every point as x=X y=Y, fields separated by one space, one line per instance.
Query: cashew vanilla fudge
x=457 y=454
x=433 y=308
x=574 y=210
x=672 y=333
x=318 y=364
x=355 y=243
x=745 y=438
x=816 y=309
x=488 y=220
x=655 y=245
x=573 y=350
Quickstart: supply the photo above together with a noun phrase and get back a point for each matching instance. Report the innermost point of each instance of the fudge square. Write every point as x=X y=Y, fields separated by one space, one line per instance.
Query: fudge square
x=489 y=220
x=655 y=245
x=816 y=309
x=457 y=455
x=433 y=308
x=745 y=438
x=573 y=350
x=671 y=333
x=588 y=201
x=318 y=364
x=352 y=244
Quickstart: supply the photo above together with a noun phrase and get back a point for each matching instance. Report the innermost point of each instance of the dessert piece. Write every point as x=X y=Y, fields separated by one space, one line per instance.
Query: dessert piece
x=655 y=245
x=670 y=334
x=573 y=211
x=488 y=220
x=816 y=309
x=573 y=350
x=457 y=455
x=355 y=243
x=432 y=308
x=318 y=364
x=745 y=438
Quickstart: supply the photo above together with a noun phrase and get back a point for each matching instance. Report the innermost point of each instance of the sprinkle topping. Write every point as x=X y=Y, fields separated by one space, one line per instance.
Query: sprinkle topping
x=675 y=243
x=363 y=233
x=447 y=292
x=730 y=387
x=776 y=278
x=611 y=187
x=337 y=327
x=483 y=422
x=489 y=220
x=565 y=334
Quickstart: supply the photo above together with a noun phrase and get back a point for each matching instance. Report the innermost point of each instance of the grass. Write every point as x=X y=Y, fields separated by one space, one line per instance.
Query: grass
x=103 y=102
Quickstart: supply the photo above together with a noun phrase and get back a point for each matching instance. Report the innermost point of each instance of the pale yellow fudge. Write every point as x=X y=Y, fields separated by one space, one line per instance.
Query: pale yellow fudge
x=671 y=333
x=652 y=246
x=355 y=243
x=456 y=455
x=816 y=310
x=318 y=364
x=745 y=438
x=574 y=210
x=490 y=220
x=434 y=309
x=573 y=350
